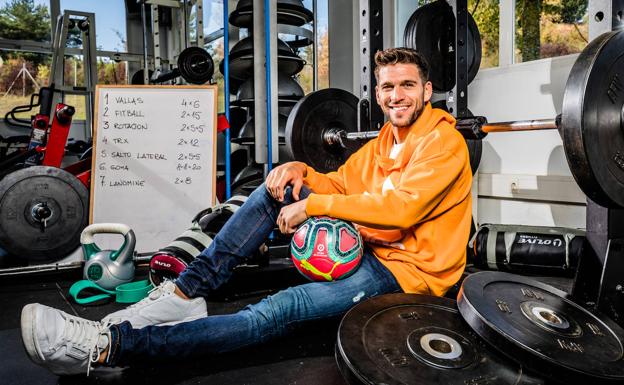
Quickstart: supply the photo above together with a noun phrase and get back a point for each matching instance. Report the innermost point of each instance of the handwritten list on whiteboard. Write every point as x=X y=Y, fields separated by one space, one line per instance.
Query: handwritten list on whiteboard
x=154 y=160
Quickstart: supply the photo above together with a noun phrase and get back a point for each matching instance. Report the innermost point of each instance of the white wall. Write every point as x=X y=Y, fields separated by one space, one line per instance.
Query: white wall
x=523 y=174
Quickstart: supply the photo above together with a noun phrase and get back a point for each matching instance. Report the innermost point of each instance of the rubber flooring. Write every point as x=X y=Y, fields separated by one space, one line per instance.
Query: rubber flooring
x=303 y=358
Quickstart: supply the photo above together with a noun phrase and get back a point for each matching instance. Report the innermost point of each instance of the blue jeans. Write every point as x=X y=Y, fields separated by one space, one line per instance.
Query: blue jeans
x=274 y=316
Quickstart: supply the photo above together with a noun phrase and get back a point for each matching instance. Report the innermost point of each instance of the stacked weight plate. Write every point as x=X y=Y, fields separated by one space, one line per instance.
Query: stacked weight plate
x=503 y=329
x=291 y=13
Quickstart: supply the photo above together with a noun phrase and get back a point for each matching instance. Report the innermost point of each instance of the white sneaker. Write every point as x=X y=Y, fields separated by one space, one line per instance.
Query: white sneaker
x=161 y=307
x=63 y=343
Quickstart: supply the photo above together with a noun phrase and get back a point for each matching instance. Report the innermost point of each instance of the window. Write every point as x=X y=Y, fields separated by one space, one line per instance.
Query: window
x=306 y=76
x=110 y=21
x=215 y=49
x=486 y=14
x=549 y=28
x=21 y=72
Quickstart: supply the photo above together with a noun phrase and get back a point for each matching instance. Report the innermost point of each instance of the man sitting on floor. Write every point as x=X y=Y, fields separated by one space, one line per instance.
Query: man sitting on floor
x=408 y=192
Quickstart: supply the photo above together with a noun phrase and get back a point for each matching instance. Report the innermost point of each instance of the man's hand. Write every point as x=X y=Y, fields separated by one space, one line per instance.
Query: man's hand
x=292 y=216
x=291 y=173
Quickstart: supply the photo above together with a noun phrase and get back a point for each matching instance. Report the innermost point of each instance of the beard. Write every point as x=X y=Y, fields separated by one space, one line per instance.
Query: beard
x=407 y=121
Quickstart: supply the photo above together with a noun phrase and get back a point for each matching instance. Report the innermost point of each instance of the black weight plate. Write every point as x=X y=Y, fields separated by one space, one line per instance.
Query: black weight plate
x=247 y=133
x=475 y=146
x=417 y=339
x=592 y=120
x=66 y=198
x=242 y=55
x=311 y=117
x=248 y=180
x=288 y=91
x=137 y=77
x=291 y=12
x=241 y=68
x=297 y=41
x=431 y=31
x=195 y=65
x=543 y=328
x=238 y=117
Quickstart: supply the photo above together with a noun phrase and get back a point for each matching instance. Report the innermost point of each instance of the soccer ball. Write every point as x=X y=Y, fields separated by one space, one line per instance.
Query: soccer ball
x=326 y=249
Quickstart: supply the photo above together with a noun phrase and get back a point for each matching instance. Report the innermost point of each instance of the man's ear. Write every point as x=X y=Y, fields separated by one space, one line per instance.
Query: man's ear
x=377 y=95
x=428 y=91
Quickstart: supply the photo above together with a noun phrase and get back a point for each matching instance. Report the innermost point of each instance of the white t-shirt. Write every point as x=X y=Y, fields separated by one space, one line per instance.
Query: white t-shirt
x=394 y=152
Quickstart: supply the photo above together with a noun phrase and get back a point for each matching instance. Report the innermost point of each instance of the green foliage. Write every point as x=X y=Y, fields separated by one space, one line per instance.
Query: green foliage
x=568 y=11
x=486 y=14
x=23 y=20
x=544 y=28
x=529 y=12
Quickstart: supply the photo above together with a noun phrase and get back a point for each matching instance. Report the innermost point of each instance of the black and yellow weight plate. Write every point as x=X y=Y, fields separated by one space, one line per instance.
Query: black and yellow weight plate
x=418 y=339
x=543 y=328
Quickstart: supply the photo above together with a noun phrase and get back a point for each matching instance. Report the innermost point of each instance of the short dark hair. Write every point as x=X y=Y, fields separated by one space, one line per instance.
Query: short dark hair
x=402 y=55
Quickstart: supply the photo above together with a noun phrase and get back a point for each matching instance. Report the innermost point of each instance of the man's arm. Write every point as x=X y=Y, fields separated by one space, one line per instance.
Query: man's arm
x=334 y=182
x=298 y=173
x=423 y=186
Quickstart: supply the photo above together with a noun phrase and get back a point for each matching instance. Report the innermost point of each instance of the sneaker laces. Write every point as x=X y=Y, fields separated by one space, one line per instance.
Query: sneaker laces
x=95 y=351
x=85 y=334
x=152 y=295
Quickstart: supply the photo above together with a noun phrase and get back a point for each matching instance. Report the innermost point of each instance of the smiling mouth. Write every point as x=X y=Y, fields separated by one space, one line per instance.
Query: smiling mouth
x=399 y=108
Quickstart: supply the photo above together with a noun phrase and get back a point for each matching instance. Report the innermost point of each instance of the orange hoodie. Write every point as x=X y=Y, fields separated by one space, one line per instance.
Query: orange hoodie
x=418 y=225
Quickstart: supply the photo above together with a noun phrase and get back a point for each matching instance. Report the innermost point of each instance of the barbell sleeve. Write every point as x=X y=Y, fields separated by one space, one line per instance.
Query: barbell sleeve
x=167 y=76
x=336 y=136
x=362 y=135
x=520 y=125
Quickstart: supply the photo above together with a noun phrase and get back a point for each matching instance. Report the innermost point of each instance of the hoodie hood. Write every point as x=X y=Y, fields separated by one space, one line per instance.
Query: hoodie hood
x=429 y=119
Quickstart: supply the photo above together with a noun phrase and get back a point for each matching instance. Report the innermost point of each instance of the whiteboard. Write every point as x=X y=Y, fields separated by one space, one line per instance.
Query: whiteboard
x=154 y=160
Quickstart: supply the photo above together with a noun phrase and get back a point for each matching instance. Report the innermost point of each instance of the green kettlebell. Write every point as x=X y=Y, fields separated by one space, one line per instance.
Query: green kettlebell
x=108 y=268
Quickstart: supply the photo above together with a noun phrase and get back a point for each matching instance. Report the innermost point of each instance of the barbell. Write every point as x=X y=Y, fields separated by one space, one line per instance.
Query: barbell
x=321 y=128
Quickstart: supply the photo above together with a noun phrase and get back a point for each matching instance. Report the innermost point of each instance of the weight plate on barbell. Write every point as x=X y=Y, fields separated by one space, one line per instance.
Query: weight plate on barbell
x=543 y=328
x=418 y=339
x=311 y=117
x=431 y=31
x=195 y=65
x=43 y=210
x=592 y=120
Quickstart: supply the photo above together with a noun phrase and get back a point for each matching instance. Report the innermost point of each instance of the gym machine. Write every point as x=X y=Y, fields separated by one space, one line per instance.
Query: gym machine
x=170 y=33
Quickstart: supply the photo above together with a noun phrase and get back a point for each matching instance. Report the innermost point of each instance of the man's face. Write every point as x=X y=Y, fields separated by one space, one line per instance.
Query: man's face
x=401 y=93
